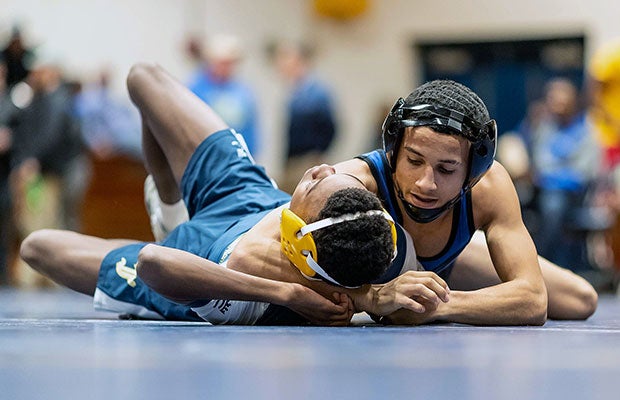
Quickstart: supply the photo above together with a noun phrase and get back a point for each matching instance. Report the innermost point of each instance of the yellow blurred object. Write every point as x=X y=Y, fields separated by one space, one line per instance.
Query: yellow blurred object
x=340 y=9
x=604 y=68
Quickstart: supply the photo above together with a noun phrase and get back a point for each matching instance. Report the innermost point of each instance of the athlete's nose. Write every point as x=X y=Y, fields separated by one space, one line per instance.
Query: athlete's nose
x=426 y=182
x=323 y=170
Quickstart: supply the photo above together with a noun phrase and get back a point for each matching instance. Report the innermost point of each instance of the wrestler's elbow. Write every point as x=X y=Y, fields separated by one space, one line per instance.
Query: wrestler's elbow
x=536 y=308
x=537 y=317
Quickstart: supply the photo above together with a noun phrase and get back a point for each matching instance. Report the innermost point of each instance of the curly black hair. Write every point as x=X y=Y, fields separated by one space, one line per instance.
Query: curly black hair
x=354 y=252
x=455 y=96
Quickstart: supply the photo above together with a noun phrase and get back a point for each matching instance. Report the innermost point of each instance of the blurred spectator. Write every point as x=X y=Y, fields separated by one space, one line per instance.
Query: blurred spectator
x=311 y=125
x=216 y=83
x=194 y=51
x=515 y=156
x=52 y=170
x=7 y=115
x=109 y=126
x=17 y=57
x=565 y=161
x=536 y=112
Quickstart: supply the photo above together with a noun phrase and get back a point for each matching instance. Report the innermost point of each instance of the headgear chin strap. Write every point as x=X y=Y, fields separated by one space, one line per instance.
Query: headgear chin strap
x=426 y=215
x=299 y=247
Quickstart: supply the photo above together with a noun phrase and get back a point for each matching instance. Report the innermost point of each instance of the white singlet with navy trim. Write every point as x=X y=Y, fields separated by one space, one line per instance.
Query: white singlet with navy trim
x=238 y=312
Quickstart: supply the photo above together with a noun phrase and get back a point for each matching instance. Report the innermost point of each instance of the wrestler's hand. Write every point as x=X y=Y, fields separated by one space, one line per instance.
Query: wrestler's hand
x=408 y=317
x=319 y=310
x=417 y=291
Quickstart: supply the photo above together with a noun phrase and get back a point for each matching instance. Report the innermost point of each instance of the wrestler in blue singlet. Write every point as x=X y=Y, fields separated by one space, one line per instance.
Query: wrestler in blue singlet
x=226 y=194
x=462 y=223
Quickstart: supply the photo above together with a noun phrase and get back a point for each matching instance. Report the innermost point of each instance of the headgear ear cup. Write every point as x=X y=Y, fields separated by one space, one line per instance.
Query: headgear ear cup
x=295 y=246
x=482 y=153
x=390 y=132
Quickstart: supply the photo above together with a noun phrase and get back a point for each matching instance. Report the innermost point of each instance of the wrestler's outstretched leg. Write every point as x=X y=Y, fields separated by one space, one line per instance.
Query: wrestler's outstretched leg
x=570 y=295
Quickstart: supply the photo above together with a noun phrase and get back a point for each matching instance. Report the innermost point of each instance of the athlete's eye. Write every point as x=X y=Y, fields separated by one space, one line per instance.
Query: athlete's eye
x=446 y=171
x=415 y=162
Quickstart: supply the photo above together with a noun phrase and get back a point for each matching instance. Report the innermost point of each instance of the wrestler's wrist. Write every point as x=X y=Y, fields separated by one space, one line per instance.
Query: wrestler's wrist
x=380 y=302
x=288 y=293
x=364 y=298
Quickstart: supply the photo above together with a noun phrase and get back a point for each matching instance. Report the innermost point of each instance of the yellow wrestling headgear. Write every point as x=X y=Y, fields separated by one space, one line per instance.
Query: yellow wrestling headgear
x=299 y=247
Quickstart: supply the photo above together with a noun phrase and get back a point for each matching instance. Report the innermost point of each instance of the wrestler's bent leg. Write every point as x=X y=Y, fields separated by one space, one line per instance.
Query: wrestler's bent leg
x=177 y=120
x=68 y=258
x=570 y=295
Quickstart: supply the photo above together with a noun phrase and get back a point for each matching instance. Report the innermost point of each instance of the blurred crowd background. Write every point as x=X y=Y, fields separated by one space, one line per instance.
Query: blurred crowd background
x=306 y=82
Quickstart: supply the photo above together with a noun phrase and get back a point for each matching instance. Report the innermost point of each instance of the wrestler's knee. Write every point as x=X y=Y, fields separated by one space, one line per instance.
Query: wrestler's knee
x=37 y=247
x=587 y=298
x=148 y=263
x=577 y=301
x=139 y=75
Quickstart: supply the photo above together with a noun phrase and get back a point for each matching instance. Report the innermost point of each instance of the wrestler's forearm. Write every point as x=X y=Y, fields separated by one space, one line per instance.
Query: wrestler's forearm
x=504 y=304
x=509 y=303
x=183 y=277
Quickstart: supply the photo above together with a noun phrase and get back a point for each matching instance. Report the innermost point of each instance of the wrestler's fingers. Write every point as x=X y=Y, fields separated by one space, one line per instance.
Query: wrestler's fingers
x=428 y=287
x=418 y=297
x=339 y=316
x=429 y=275
x=419 y=289
x=435 y=292
x=412 y=305
x=344 y=300
x=439 y=286
x=336 y=314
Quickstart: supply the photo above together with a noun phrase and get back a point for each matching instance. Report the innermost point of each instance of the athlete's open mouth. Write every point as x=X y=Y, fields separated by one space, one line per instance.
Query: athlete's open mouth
x=424 y=202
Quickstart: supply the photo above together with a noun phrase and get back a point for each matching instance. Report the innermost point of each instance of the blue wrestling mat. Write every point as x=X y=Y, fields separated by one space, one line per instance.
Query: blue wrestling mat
x=53 y=346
